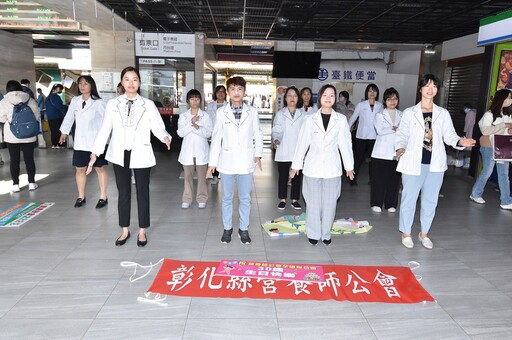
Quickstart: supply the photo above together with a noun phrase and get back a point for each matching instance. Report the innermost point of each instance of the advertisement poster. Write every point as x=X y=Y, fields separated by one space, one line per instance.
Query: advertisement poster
x=505 y=70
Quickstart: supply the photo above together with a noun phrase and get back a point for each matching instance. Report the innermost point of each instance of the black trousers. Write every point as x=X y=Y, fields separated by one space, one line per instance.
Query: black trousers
x=15 y=150
x=124 y=187
x=55 y=130
x=284 y=173
x=362 y=148
x=385 y=183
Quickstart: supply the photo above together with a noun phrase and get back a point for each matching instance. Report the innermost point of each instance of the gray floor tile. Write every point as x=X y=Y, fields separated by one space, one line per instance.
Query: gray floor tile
x=61 y=271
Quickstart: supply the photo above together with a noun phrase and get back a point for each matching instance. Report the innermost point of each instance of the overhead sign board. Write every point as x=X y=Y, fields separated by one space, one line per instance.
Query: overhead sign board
x=164 y=45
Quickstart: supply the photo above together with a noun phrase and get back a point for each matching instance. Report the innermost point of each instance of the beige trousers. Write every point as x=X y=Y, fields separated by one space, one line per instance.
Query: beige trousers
x=202 y=191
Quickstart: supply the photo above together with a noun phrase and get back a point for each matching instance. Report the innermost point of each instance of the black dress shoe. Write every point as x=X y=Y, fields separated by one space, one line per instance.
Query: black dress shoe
x=79 y=202
x=101 y=203
x=142 y=243
x=120 y=242
x=327 y=242
x=312 y=241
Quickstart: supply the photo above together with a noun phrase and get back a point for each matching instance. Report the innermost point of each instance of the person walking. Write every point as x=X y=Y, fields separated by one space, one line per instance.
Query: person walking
x=86 y=111
x=14 y=96
x=496 y=121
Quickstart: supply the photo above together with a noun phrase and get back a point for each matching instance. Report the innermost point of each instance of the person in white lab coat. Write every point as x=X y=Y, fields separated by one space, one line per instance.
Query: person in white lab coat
x=236 y=150
x=219 y=100
x=87 y=111
x=195 y=127
x=285 y=134
x=131 y=119
x=365 y=135
x=307 y=101
x=322 y=137
x=385 y=179
x=421 y=154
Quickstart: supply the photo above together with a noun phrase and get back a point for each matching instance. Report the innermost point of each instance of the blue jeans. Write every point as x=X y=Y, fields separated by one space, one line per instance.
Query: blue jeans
x=244 y=184
x=429 y=183
x=487 y=167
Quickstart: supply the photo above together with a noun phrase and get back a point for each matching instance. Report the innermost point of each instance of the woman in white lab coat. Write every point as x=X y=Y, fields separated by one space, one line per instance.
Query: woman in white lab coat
x=87 y=111
x=195 y=127
x=322 y=137
x=130 y=119
x=385 y=179
x=219 y=100
x=285 y=135
x=365 y=136
x=420 y=149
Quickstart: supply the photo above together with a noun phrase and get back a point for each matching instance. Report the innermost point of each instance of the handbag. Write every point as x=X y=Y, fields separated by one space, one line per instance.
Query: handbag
x=502 y=148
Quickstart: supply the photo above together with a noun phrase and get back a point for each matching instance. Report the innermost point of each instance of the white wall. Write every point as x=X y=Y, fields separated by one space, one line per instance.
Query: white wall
x=461 y=47
x=17 y=61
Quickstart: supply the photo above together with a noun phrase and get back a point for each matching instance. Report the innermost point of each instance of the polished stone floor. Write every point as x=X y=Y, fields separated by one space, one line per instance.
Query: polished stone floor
x=61 y=277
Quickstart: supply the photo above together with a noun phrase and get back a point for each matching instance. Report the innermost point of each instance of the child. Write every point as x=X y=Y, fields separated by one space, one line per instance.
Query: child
x=195 y=127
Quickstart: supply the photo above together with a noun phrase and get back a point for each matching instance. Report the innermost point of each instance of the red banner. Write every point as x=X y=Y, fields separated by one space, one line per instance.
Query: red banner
x=352 y=283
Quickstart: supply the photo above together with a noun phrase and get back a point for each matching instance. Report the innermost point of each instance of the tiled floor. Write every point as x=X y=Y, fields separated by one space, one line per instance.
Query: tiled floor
x=61 y=277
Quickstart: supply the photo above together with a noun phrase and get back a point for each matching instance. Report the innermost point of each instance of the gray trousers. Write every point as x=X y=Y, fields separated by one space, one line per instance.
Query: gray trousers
x=320 y=195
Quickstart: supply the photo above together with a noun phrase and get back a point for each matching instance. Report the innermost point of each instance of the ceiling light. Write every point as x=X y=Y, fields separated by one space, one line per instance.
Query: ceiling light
x=429 y=49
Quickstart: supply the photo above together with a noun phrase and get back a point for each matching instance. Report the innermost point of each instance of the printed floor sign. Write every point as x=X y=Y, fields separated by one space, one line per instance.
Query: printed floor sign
x=353 y=283
x=14 y=215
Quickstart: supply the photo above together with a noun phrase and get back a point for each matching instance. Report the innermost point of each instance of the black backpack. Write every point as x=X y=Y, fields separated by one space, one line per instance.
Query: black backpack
x=23 y=124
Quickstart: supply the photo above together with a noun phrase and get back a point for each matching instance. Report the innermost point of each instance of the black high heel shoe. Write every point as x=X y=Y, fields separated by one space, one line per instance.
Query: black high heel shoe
x=120 y=242
x=142 y=243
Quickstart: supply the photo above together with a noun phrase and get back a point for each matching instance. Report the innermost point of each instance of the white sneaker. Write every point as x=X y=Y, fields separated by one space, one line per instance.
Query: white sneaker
x=407 y=242
x=376 y=209
x=506 y=206
x=392 y=210
x=32 y=186
x=425 y=242
x=202 y=205
x=478 y=200
x=215 y=180
x=16 y=188
x=185 y=205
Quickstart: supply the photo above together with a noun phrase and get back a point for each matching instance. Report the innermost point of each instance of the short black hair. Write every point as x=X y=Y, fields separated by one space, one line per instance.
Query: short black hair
x=427 y=78
x=296 y=90
x=321 y=92
x=217 y=89
x=194 y=94
x=390 y=93
x=25 y=81
x=13 y=85
x=371 y=87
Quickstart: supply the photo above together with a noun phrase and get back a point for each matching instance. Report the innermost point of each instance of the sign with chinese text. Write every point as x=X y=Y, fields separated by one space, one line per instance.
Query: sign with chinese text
x=272 y=270
x=164 y=45
x=352 y=71
x=342 y=283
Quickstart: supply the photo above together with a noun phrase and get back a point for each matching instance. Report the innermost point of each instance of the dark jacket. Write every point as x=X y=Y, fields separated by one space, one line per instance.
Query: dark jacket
x=55 y=109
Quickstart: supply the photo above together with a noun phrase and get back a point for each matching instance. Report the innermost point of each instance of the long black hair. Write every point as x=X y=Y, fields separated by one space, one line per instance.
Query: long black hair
x=90 y=81
x=497 y=102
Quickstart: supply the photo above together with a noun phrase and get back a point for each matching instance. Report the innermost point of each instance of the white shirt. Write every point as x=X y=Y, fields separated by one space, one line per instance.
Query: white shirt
x=286 y=130
x=147 y=120
x=318 y=150
x=366 y=115
x=88 y=121
x=195 y=141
